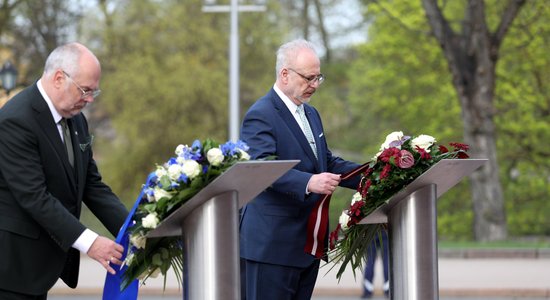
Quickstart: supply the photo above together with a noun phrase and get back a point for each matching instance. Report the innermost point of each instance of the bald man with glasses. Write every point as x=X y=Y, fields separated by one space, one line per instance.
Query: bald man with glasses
x=47 y=171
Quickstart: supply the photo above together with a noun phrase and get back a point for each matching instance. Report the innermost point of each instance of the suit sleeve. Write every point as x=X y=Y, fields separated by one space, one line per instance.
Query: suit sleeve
x=98 y=196
x=101 y=200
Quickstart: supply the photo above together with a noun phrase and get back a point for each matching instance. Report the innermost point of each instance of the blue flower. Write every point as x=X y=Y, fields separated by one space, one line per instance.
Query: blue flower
x=229 y=148
x=193 y=152
x=183 y=178
x=196 y=145
x=242 y=145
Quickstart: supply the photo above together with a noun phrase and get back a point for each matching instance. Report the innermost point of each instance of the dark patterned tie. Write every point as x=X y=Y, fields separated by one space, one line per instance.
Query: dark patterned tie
x=67 y=140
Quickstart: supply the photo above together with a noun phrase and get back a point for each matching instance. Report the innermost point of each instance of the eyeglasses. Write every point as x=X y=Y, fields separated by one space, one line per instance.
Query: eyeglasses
x=85 y=94
x=311 y=79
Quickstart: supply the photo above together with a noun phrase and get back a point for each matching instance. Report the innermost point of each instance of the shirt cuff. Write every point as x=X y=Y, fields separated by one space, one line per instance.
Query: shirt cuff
x=307 y=187
x=85 y=241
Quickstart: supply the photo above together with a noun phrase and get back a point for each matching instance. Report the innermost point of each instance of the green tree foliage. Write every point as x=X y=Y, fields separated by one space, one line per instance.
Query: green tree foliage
x=523 y=121
x=165 y=81
x=31 y=29
x=400 y=81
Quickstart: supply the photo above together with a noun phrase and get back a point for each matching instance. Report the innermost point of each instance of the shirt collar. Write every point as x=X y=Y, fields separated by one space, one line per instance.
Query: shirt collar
x=289 y=104
x=56 y=116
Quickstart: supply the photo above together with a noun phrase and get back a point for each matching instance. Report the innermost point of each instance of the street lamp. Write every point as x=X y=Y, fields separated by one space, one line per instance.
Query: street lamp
x=8 y=76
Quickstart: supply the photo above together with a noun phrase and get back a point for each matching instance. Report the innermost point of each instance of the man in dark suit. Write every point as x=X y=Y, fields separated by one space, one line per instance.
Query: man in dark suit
x=274 y=226
x=43 y=181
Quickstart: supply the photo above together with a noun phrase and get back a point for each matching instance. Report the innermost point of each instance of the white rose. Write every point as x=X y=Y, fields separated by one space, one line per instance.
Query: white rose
x=160 y=193
x=356 y=197
x=138 y=240
x=174 y=171
x=343 y=220
x=180 y=160
x=392 y=137
x=244 y=155
x=179 y=149
x=150 y=221
x=191 y=168
x=215 y=156
x=160 y=171
x=423 y=141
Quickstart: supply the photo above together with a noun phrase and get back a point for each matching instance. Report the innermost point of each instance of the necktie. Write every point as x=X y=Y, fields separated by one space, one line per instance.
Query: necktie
x=307 y=129
x=67 y=140
x=318 y=220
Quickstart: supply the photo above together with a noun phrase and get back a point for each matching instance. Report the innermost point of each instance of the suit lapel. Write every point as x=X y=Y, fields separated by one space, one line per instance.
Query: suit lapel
x=48 y=126
x=296 y=130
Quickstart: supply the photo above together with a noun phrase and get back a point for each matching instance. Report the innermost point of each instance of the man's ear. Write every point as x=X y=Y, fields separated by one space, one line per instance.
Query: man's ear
x=58 y=78
x=283 y=74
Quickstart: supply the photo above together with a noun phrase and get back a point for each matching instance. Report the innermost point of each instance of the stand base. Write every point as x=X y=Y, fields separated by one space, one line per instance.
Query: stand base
x=211 y=250
x=413 y=246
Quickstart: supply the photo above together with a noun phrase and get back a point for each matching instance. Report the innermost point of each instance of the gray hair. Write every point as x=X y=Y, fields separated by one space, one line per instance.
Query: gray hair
x=65 y=57
x=287 y=52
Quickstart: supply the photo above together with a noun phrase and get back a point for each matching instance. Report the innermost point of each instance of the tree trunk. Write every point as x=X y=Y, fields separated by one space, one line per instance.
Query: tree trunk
x=479 y=132
x=472 y=56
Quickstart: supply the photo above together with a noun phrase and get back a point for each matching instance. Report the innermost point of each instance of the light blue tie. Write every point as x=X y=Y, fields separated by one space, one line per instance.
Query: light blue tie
x=307 y=129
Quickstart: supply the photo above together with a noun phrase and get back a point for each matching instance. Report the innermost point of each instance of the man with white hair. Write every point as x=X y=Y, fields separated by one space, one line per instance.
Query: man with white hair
x=281 y=241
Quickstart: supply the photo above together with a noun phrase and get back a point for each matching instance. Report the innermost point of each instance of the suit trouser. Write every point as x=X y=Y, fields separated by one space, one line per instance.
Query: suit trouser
x=8 y=295
x=277 y=282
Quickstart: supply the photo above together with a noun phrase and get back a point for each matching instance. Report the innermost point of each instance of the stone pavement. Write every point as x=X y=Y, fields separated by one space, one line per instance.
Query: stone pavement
x=463 y=274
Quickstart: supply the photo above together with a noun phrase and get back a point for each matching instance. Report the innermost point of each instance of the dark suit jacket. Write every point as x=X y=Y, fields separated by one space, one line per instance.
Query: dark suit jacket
x=273 y=226
x=41 y=196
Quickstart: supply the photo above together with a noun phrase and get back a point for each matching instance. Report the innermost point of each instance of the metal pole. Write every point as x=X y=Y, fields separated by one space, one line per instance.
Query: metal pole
x=234 y=73
x=413 y=246
x=234 y=8
x=210 y=238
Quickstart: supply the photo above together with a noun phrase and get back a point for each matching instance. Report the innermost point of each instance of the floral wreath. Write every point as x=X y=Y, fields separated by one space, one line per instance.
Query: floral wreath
x=400 y=160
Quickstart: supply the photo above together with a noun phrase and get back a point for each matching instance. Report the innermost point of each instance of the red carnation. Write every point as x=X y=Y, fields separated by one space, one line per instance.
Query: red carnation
x=388 y=153
x=423 y=153
x=462 y=155
x=333 y=237
x=355 y=213
x=443 y=149
x=366 y=187
x=460 y=146
x=385 y=171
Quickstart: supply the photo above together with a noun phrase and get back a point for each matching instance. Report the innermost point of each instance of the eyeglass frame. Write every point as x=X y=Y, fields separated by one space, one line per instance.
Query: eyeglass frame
x=310 y=81
x=85 y=94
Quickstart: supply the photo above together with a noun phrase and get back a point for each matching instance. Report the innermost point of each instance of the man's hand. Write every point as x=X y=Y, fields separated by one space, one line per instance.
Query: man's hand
x=324 y=183
x=106 y=251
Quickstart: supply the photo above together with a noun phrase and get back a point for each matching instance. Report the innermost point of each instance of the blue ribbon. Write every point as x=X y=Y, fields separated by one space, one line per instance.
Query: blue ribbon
x=111 y=289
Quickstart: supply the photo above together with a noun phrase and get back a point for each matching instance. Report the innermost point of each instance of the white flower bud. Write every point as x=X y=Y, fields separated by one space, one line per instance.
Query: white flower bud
x=215 y=156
